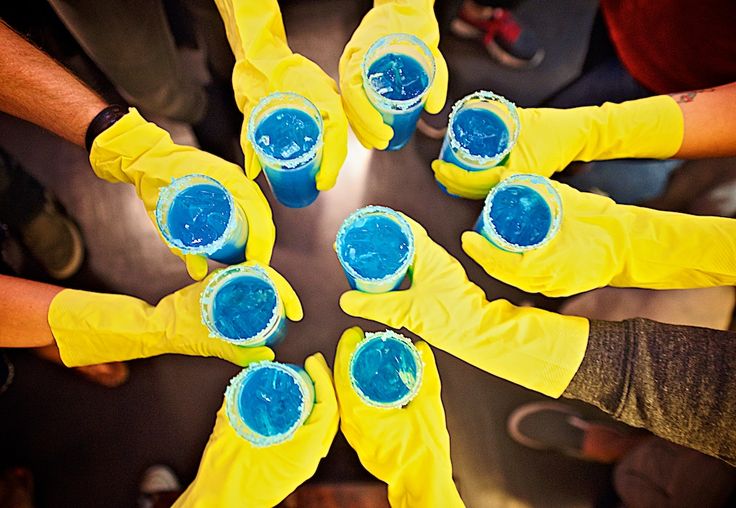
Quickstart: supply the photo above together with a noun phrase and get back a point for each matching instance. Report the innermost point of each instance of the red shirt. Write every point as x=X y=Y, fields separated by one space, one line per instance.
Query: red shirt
x=674 y=45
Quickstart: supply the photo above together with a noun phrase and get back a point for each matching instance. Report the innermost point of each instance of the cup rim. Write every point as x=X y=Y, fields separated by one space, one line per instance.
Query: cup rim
x=285 y=164
x=218 y=280
x=516 y=180
x=169 y=193
x=375 y=210
x=232 y=396
x=385 y=335
x=481 y=161
x=399 y=104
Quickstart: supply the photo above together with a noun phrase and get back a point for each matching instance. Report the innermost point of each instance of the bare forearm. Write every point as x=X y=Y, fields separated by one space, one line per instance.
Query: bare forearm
x=710 y=122
x=24 y=309
x=36 y=88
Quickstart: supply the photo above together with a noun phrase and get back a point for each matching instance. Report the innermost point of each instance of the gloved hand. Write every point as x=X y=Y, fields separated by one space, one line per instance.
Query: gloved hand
x=602 y=243
x=95 y=328
x=414 y=17
x=140 y=153
x=550 y=139
x=233 y=472
x=264 y=64
x=531 y=347
x=408 y=448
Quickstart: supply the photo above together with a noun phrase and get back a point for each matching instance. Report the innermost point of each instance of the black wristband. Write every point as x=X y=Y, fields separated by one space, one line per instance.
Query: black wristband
x=101 y=122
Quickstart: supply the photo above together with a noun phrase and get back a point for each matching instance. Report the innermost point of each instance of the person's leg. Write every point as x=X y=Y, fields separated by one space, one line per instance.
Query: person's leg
x=508 y=41
x=32 y=214
x=131 y=42
x=660 y=473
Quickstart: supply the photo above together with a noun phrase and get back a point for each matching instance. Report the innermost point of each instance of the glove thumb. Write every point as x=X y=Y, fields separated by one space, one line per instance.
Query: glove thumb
x=387 y=308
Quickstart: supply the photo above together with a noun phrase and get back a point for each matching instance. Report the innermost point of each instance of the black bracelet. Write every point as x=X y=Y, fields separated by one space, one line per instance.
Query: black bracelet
x=101 y=122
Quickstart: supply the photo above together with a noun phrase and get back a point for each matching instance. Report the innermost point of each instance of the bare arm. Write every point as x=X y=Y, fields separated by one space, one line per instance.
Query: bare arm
x=36 y=88
x=24 y=310
x=710 y=122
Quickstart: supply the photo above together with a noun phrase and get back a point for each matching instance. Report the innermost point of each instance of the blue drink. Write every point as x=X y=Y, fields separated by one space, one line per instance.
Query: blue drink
x=197 y=215
x=521 y=213
x=285 y=130
x=386 y=370
x=241 y=305
x=375 y=247
x=482 y=130
x=268 y=401
x=398 y=70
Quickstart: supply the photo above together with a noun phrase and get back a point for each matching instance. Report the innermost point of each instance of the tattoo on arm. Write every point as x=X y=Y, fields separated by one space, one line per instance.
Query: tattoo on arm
x=685 y=97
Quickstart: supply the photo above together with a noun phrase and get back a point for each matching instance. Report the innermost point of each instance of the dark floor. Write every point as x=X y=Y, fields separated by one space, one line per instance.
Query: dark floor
x=88 y=445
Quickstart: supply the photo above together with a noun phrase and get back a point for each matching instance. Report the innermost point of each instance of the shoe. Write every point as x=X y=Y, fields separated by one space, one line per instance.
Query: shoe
x=505 y=39
x=158 y=480
x=54 y=241
x=555 y=426
x=7 y=373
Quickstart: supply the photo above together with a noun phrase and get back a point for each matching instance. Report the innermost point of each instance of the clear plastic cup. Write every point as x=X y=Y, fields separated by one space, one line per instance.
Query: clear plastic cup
x=521 y=213
x=499 y=121
x=283 y=120
x=197 y=215
x=386 y=370
x=241 y=305
x=375 y=246
x=267 y=402
x=400 y=113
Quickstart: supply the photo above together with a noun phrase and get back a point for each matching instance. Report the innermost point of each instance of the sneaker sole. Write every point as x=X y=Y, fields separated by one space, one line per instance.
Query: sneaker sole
x=465 y=30
x=515 y=418
x=75 y=262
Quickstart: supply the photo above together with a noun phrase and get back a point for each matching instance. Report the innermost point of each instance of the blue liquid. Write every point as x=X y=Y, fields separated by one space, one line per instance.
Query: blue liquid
x=384 y=370
x=287 y=134
x=375 y=247
x=520 y=215
x=270 y=402
x=199 y=215
x=243 y=307
x=399 y=77
x=479 y=131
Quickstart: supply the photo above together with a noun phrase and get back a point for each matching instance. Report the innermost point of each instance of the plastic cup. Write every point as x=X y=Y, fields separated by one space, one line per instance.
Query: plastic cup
x=480 y=112
x=288 y=146
x=386 y=370
x=375 y=246
x=399 y=110
x=197 y=215
x=267 y=402
x=521 y=213
x=241 y=305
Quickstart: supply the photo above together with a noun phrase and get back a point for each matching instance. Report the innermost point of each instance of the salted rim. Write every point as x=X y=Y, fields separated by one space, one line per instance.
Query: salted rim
x=166 y=196
x=514 y=180
x=232 y=396
x=373 y=210
x=384 y=336
x=207 y=303
x=481 y=161
x=398 y=104
x=285 y=164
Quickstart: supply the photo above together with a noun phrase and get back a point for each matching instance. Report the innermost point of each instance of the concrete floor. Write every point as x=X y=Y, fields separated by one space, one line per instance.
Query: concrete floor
x=88 y=445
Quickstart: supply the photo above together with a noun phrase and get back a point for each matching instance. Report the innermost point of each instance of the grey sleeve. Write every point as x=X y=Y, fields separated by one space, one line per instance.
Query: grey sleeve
x=679 y=382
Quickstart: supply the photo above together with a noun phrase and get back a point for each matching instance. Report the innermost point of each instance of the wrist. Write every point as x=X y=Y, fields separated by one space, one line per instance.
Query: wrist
x=101 y=122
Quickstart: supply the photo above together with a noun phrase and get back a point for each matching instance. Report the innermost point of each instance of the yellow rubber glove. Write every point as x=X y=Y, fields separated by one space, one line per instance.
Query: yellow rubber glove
x=264 y=64
x=233 y=472
x=97 y=328
x=140 y=153
x=550 y=139
x=602 y=243
x=408 y=448
x=414 y=17
x=531 y=347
